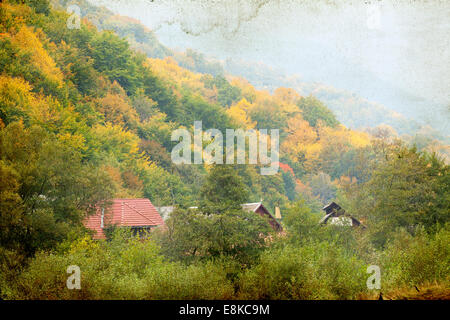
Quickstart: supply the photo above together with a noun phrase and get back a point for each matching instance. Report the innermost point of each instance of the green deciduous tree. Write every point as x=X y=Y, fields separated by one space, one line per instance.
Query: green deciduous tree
x=192 y=235
x=113 y=58
x=406 y=188
x=53 y=188
x=313 y=111
x=223 y=190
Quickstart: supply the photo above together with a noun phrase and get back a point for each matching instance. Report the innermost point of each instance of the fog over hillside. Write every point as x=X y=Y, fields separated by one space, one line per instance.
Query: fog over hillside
x=394 y=53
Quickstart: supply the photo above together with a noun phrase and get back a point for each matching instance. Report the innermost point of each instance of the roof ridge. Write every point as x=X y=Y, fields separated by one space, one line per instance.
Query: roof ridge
x=139 y=212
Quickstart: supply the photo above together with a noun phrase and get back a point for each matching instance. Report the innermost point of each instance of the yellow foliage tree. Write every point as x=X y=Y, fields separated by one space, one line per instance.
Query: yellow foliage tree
x=286 y=95
x=239 y=113
x=116 y=109
x=30 y=42
x=301 y=139
x=15 y=98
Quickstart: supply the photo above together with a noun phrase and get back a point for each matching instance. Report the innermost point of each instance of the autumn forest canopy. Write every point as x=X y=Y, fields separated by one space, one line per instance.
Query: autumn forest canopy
x=86 y=116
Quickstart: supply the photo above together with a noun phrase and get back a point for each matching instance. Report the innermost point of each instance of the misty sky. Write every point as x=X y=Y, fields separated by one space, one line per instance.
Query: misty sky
x=395 y=52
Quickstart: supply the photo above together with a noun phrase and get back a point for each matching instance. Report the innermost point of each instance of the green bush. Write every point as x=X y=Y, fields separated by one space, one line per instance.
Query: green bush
x=199 y=281
x=314 y=271
x=129 y=268
x=414 y=260
x=123 y=268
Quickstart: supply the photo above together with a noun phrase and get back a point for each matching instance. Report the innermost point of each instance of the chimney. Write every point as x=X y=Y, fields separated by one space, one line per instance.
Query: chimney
x=277 y=213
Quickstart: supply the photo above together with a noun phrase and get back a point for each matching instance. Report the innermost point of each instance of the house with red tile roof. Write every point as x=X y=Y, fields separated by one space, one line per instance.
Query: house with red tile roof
x=138 y=214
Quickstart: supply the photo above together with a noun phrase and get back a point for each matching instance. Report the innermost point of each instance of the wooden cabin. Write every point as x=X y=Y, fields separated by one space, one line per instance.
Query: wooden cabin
x=259 y=208
x=336 y=215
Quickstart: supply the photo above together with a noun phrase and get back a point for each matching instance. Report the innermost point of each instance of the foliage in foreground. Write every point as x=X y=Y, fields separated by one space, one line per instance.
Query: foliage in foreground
x=128 y=268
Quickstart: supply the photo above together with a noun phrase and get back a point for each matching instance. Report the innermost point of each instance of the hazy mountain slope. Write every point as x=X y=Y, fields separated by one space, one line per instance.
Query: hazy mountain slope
x=350 y=109
x=139 y=36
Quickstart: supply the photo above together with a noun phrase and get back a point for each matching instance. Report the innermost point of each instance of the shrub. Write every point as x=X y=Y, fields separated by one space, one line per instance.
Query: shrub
x=314 y=271
x=414 y=260
x=123 y=268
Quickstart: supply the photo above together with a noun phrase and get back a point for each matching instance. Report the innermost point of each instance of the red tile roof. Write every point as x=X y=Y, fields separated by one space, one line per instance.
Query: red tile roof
x=125 y=213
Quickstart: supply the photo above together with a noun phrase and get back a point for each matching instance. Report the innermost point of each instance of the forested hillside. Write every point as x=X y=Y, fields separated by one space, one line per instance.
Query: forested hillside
x=117 y=109
x=85 y=116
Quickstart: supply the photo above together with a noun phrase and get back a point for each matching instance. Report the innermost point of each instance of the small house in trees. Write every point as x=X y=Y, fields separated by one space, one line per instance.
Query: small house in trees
x=258 y=208
x=138 y=214
x=165 y=212
x=336 y=215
